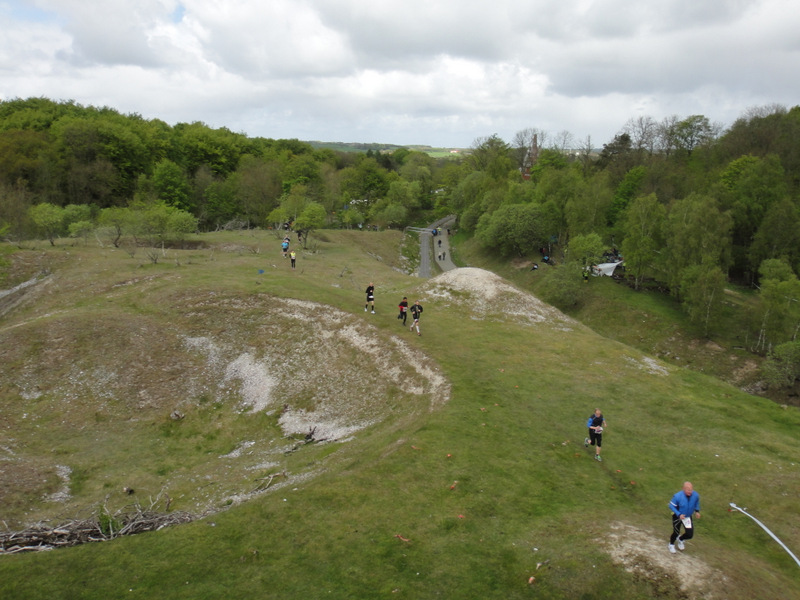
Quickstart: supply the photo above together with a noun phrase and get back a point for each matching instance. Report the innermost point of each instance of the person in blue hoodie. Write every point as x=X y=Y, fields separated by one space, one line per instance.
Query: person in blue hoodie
x=596 y=424
x=685 y=505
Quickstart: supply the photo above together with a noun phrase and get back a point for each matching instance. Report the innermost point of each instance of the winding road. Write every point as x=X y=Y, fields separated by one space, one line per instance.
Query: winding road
x=429 y=249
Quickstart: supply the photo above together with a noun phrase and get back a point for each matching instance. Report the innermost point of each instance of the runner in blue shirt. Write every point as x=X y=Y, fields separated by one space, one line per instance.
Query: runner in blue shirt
x=684 y=506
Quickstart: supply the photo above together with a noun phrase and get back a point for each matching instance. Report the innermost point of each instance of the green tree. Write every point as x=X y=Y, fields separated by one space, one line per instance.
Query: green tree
x=155 y=224
x=702 y=289
x=81 y=229
x=403 y=193
x=585 y=211
x=628 y=189
x=782 y=367
x=221 y=204
x=218 y=149
x=561 y=286
x=779 y=305
x=113 y=223
x=21 y=155
x=171 y=185
x=643 y=225
x=77 y=212
x=367 y=180
x=492 y=156
x=295 y=201
x=258 y=187
x=513 y=229
x=277 y=217
x=586 y=250
x=312 y=218
x=15 y=204
x=750 y=186
x=49 y=219
x=391 y=214
x=778 y=236
x=696 y=233
x=352 y=217
x=692 y=132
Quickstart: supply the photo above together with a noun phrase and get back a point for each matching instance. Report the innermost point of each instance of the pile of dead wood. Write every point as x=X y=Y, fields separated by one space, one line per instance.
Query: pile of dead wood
x=99 y=528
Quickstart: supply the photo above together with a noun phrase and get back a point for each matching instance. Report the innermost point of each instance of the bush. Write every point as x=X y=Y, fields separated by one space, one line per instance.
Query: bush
x=782 y=367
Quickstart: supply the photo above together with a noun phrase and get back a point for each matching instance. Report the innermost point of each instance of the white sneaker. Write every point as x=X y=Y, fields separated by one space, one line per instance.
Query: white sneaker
x=585 y=442
x=597 y=458
x=373 y=312
x=365 y=310
x=680 y=544
x=672 y=548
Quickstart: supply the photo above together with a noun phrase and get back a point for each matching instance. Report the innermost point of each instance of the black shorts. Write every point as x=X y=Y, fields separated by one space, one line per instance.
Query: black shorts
x=595 y=438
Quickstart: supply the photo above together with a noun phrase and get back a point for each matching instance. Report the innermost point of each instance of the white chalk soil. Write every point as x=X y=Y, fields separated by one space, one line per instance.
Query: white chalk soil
x=645 y=554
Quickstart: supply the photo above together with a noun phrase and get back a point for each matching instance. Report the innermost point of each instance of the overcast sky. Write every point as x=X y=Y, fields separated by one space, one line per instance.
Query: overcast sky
x=434 y=72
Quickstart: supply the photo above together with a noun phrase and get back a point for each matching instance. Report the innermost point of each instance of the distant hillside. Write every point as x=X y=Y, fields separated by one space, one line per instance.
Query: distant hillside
x=384 y=148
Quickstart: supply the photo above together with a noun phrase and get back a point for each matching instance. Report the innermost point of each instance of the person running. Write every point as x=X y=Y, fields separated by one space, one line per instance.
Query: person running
x=416 y=311
x=403 y=306
x=293 y=256
x=684 y=506
x=285 y=246
x=370 y=297
x=596 y=424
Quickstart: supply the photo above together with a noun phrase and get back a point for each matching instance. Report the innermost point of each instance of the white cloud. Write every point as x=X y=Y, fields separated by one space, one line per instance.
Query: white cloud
x=417 y=71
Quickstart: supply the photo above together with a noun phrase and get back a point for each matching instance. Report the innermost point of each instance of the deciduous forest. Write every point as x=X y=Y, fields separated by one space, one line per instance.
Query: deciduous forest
x=692 y=207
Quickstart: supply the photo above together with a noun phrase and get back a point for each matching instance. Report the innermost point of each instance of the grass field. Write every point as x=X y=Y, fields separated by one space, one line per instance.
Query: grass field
x=459 y=495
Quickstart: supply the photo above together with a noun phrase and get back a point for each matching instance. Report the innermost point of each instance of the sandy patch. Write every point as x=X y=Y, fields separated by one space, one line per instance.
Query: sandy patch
x=62 y=495
x=486 y=295
x=650 y=365
x=641 y=552
x=332 y=375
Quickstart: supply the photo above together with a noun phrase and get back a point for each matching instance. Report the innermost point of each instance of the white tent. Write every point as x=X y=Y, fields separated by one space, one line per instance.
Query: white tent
x=606 y=269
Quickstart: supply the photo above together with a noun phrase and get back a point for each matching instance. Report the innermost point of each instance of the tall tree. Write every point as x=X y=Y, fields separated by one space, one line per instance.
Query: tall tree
x=49 y=218
x=312 y=218
x=697 y=232
x=513 y=229
x=643 y=229
x=492 y=156
x=702 y=288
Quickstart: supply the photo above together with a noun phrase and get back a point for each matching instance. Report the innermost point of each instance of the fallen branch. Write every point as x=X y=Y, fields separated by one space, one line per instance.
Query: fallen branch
x=100 y=528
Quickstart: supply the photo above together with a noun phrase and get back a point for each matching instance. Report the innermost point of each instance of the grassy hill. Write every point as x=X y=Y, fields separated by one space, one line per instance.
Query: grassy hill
x=444 y=465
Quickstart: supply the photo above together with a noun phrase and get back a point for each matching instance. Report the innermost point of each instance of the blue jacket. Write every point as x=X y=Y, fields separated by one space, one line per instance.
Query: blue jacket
x=681 y=504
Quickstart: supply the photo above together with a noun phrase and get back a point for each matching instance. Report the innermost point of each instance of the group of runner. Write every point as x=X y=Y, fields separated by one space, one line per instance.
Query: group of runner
x=285 y=250
x=685 y=504
x=404 y=308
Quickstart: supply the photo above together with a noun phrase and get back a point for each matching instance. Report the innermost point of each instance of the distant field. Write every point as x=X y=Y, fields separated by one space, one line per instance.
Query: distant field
x=364 y=147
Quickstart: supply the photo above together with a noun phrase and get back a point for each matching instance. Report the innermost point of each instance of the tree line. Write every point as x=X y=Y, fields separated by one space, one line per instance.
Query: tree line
x=690 y=205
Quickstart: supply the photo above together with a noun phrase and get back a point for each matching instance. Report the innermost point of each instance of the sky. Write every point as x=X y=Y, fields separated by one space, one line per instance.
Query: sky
x=443 y=73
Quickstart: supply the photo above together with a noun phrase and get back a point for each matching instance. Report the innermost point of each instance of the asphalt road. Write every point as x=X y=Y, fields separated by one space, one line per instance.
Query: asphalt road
x=432 y=247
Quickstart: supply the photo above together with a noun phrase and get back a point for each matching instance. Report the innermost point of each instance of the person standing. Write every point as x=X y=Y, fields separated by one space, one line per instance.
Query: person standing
x=293 y=256
x=685 y=505
x=596 y=424
x=403 y=306
x=416 y=311
x=370 y=297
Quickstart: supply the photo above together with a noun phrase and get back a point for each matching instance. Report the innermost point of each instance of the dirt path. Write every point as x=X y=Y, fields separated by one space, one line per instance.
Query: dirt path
x=641 y=552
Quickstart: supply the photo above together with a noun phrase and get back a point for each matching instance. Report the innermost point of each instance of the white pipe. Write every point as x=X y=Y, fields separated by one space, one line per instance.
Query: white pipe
x=764 y=527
